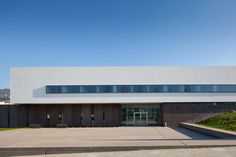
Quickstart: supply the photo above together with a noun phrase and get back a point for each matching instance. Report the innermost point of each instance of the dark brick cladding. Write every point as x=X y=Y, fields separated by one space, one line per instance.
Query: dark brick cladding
x=79 y=115
x=173 y=113
x=74 y=115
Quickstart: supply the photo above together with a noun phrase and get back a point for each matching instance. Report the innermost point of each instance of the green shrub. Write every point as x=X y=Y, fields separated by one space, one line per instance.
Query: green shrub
x=5 y=129
x=225 y=121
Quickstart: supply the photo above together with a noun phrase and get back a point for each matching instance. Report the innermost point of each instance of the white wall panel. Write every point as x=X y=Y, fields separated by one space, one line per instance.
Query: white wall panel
x=28 y=84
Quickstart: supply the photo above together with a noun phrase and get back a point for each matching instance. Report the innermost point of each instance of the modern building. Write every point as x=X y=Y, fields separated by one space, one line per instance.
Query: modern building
x=117 y=96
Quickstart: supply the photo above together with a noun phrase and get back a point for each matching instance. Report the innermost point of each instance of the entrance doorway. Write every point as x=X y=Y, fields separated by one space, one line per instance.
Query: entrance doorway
x=140 y=114
x=140 y=118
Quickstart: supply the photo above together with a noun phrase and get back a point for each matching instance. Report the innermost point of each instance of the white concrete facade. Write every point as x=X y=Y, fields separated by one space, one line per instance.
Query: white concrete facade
x=28 y=85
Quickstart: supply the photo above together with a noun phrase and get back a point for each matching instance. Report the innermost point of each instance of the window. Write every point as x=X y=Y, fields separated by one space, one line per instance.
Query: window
x=57 y=89
x=105 y=89
x=207 y=88
x=191 y=88
x=227 y=88
x=175 y=88
x=88 y=89
x=156 y=88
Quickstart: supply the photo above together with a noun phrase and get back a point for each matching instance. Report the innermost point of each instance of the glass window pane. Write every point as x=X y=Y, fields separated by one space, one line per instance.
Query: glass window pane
x=156 y=88
x=105 y=89
x=226 y=88
x=207 y=88
x=175 y=88
x=191 y=88
x=89 y=89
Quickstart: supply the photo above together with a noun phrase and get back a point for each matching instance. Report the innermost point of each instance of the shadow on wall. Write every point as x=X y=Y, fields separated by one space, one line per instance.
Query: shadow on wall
x=41 y=93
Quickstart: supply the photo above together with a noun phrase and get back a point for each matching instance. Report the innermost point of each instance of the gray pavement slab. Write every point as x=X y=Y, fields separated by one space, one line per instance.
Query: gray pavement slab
x=53 y=140
x=82 y=136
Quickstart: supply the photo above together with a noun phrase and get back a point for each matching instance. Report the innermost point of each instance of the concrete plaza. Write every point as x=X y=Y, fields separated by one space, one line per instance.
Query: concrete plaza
x=61 y=140
x=69 y=137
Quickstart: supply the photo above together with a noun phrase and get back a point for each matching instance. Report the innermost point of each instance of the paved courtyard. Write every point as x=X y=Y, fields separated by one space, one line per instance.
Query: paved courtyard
x=69 y=137
x=54 y=140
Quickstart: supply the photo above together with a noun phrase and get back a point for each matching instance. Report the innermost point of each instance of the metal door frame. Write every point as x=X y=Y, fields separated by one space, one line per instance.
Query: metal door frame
x=140 y=113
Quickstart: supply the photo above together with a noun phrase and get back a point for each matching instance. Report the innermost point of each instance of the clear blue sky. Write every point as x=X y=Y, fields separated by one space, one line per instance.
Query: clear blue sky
x=116 y=33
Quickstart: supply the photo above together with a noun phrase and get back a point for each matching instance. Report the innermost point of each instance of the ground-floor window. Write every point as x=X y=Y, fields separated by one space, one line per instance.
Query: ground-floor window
x=140 y=114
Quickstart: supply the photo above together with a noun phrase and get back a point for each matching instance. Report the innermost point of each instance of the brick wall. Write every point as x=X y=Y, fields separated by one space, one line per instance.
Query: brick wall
x=74 y=115
x=173 y=113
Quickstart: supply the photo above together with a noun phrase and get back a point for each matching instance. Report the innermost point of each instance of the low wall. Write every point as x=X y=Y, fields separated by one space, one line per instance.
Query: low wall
x=209 y=131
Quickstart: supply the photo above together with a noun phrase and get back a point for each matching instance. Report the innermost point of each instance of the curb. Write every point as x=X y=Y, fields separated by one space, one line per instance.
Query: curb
x=65 y=150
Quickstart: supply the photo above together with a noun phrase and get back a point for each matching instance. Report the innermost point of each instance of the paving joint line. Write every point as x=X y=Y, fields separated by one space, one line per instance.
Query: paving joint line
x=186 y=146
x=160 y=133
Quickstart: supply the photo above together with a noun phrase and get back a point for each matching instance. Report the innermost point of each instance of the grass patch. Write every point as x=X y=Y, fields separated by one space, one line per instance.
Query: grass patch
x=226 y=121
x=6 y=129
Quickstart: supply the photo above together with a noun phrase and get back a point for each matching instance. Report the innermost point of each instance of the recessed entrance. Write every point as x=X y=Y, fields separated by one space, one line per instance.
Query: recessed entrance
x=140 y=114
x=140 y=118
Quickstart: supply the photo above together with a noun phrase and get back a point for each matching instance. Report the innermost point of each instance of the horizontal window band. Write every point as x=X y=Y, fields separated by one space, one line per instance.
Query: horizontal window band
x=206 y=88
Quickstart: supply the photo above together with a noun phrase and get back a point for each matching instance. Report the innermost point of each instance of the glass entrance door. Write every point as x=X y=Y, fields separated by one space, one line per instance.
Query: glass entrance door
x=140 y=118
x=150 y=113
